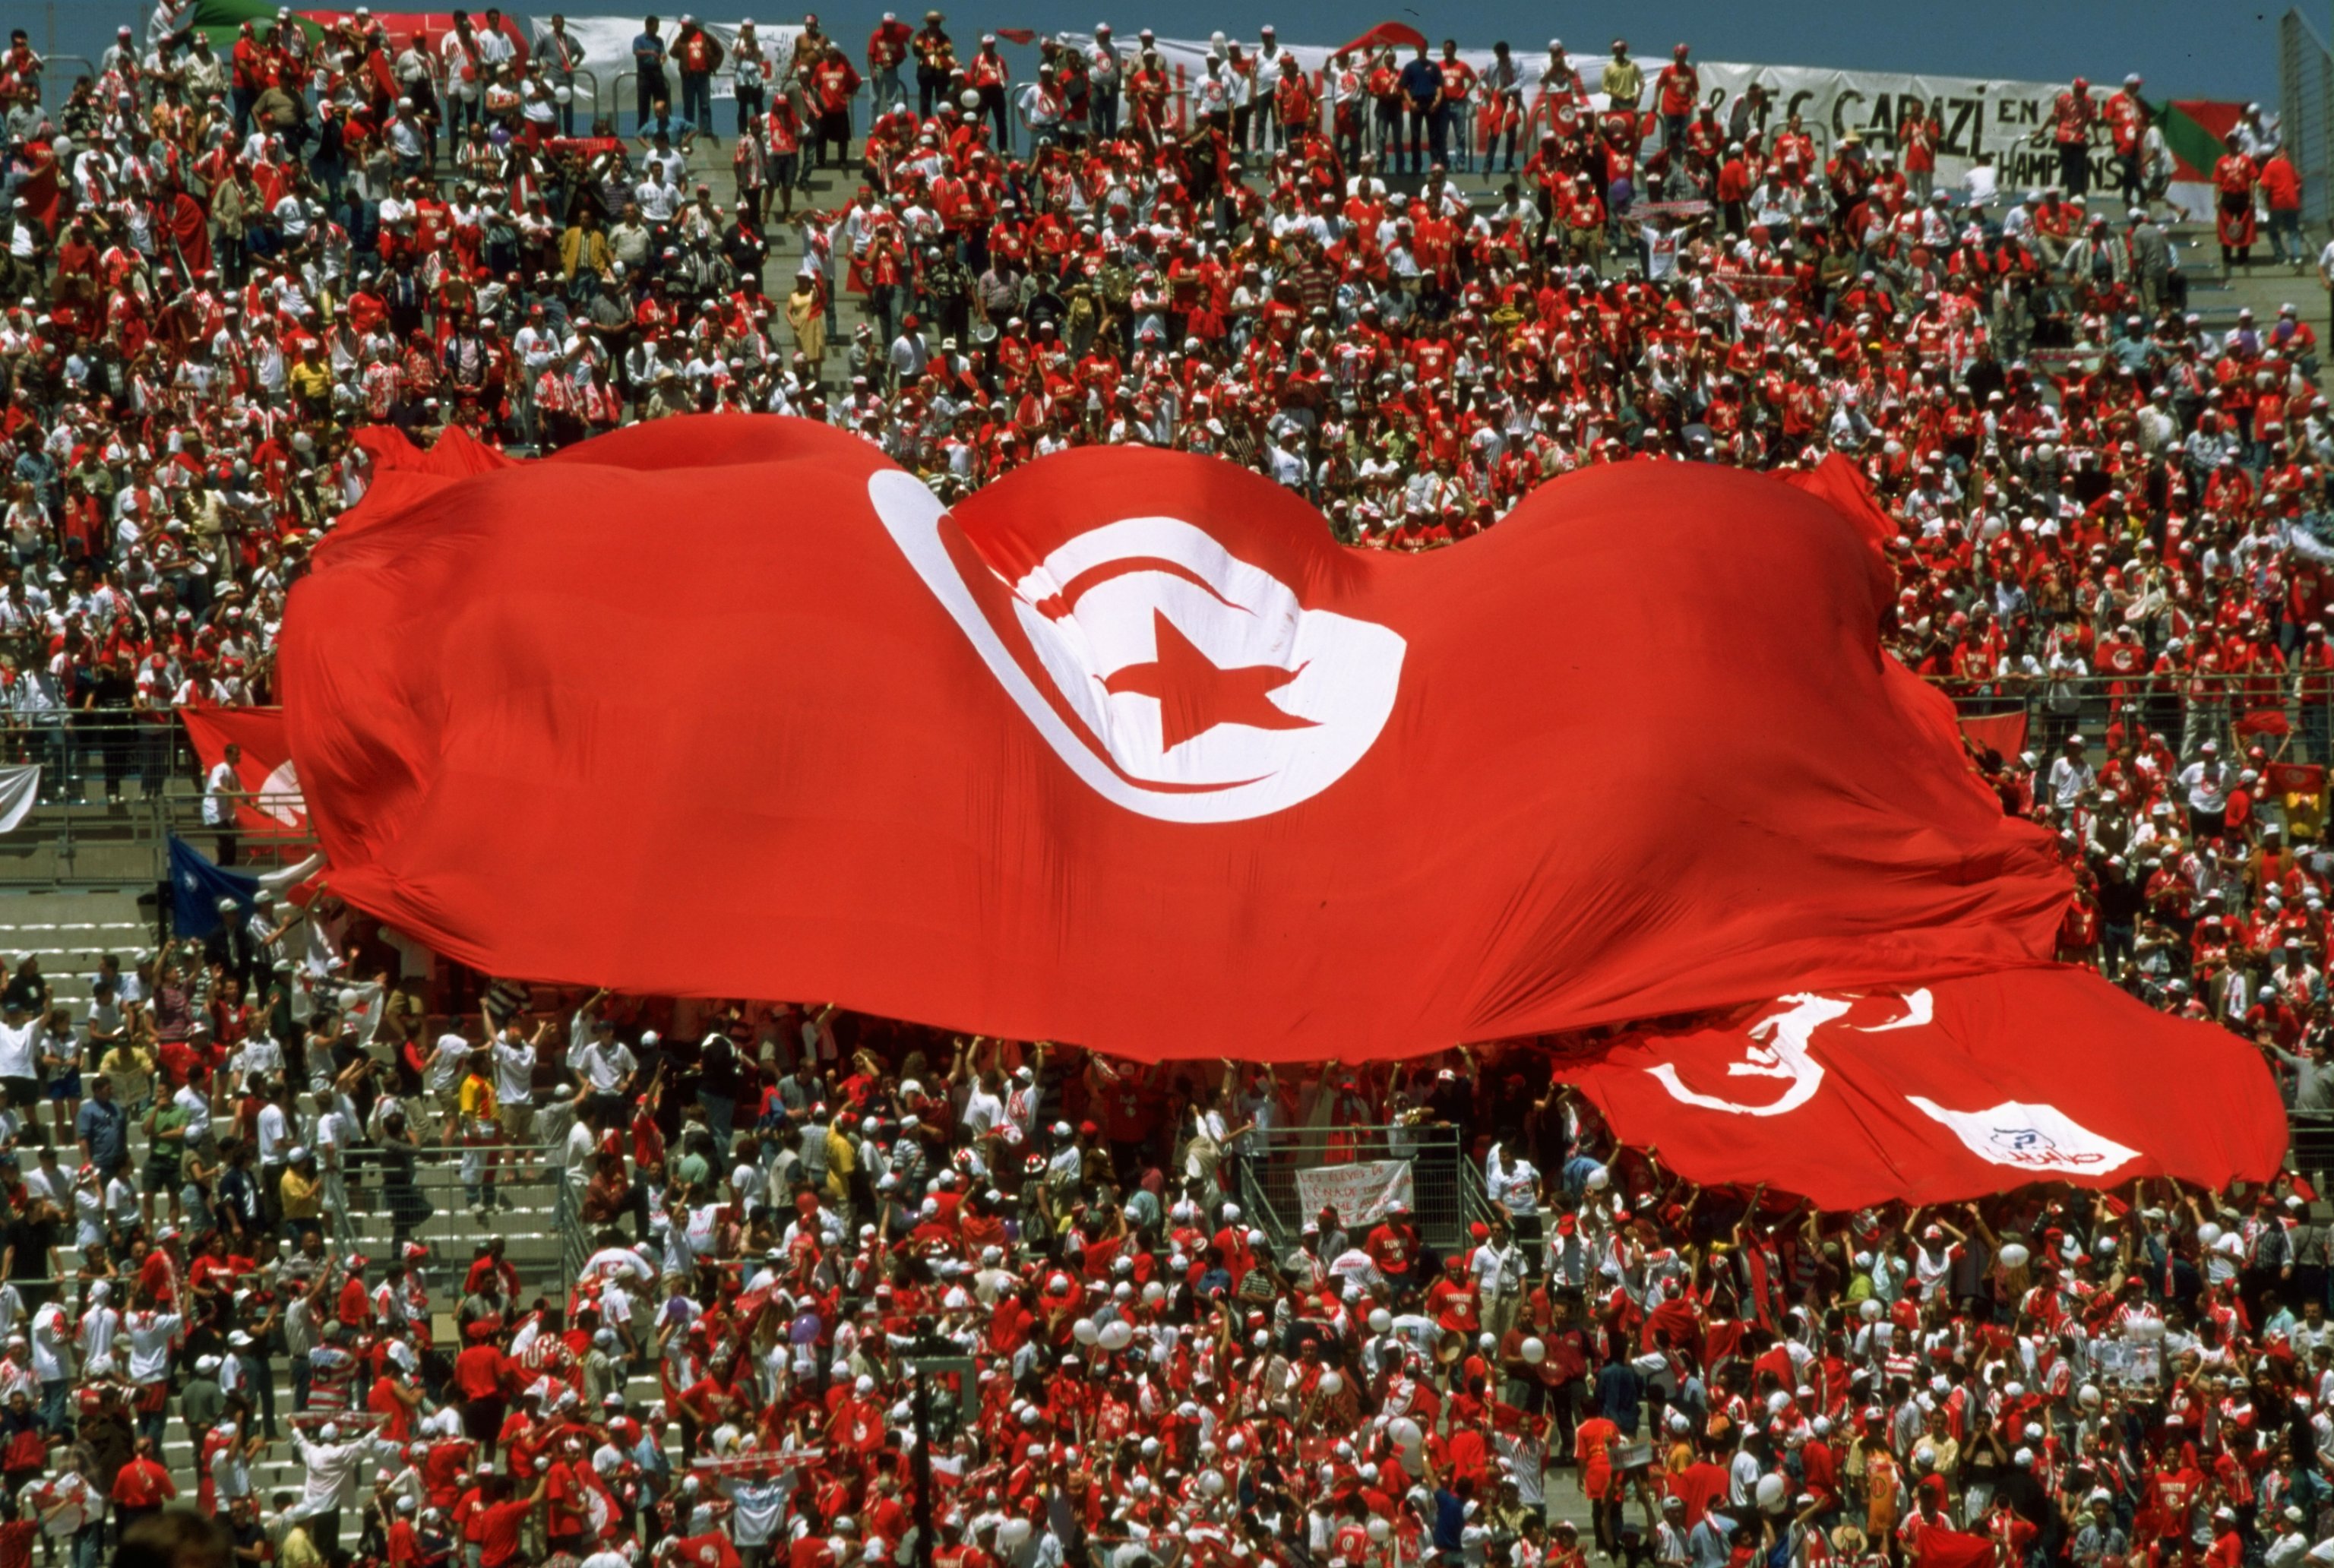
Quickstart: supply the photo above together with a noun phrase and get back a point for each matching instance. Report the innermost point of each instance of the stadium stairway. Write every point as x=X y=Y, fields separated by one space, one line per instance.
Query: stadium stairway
x=534 y=1229
x=69 y=928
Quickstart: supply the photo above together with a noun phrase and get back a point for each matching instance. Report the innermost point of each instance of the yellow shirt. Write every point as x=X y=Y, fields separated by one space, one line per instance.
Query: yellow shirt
x=1624 y=80
x=312 y=382
x=303 y=1199
x=476 y=1099
x=2304 y=813
x=840 y=1163
x=298 y=1550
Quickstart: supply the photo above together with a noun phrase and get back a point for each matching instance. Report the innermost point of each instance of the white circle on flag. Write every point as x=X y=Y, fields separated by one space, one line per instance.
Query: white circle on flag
x=1198 y=687
x=279 y=796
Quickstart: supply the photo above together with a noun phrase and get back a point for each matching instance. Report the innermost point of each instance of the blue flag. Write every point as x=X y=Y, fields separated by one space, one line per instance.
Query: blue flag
x=197 y=886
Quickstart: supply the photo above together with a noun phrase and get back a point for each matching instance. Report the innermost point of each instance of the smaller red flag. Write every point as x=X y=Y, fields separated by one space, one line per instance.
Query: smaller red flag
x=2003 y=733
x=1938 y=1547
x=271 y=809
x=1911 y=1093
x=1387 y=35
x=39 y=192
x=2294 y=778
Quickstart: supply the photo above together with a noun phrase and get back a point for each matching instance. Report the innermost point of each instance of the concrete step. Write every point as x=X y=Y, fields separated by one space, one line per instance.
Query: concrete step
x=70 y=929
x=89 y=906
x=280 y=1465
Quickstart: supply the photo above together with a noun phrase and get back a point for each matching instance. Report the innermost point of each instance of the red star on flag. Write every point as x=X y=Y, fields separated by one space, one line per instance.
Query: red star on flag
x=1195 y=694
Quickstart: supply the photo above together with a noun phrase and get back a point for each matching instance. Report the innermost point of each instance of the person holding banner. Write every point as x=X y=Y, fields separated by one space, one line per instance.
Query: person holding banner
x=560 y=54
x=2234 y=176
x=1677 y=93
x=2072 y=115
x=1502 y=114
x=1918 y=134
x=888 y=47
x=1384 y=83
x=1421 y=92
x=1104 y=75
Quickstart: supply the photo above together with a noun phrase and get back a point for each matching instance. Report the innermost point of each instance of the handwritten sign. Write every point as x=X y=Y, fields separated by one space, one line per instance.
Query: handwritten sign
x=1359 y=1192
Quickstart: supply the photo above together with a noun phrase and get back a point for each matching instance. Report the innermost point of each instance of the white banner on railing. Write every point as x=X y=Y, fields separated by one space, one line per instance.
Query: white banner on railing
x=2008 y=120
x=1359 y=1192
x=20 y=787
x=2005 y=119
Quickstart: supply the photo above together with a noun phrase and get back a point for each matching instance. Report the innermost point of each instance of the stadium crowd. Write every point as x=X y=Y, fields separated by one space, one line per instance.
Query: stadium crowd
x=229 y=259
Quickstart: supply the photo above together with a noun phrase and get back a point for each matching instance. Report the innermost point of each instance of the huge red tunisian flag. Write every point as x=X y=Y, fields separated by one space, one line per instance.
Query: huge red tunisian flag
x=1126 y=750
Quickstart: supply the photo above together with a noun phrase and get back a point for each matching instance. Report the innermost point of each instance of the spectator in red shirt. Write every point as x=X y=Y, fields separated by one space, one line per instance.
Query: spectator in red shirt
x=502 y=1516
x=141 y=1486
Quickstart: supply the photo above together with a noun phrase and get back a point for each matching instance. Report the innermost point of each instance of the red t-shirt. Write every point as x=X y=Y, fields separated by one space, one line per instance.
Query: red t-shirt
x=1392 y=1250
x=478 y=1371
x=566 y=1498
x=179 y=1059
x=498 y=1534
x=446 y=1461
x=143 y=1483
x=383 y=1401
x=713 y=1550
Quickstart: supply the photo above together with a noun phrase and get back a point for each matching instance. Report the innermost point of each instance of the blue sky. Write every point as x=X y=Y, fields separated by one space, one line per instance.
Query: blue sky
x=2183 y=50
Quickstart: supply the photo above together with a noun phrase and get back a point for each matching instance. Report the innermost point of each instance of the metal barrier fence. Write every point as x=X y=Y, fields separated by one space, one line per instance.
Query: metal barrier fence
x=2306 y=90
x=2232 y=709
x=50 y=64
x=426 y=1196
x=1439 y=1201
x=114 y=786
x=100 y=751
x=586 y=82
x=2305 y=74
x=2310 y=1135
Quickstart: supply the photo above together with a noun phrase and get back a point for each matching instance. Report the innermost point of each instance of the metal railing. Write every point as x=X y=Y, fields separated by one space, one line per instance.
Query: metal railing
x=115 y=785
x=431 y=1204
x=107 y=750
x=2305 y=74
x=1257 y=1199
x=2234 y=710
x=1476 y=1195
x=575 y=1238
x=2310 y=1135
x=582 y=76
x=50 y=62
x=1439 y=1201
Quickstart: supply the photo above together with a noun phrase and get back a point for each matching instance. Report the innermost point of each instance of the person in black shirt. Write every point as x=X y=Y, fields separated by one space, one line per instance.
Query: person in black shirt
x=2120 y=898
x=747 y=249
x=108 y=700
x=28 y=1248
x=237 y=1203
x=27 y=990
x=716 y=1088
